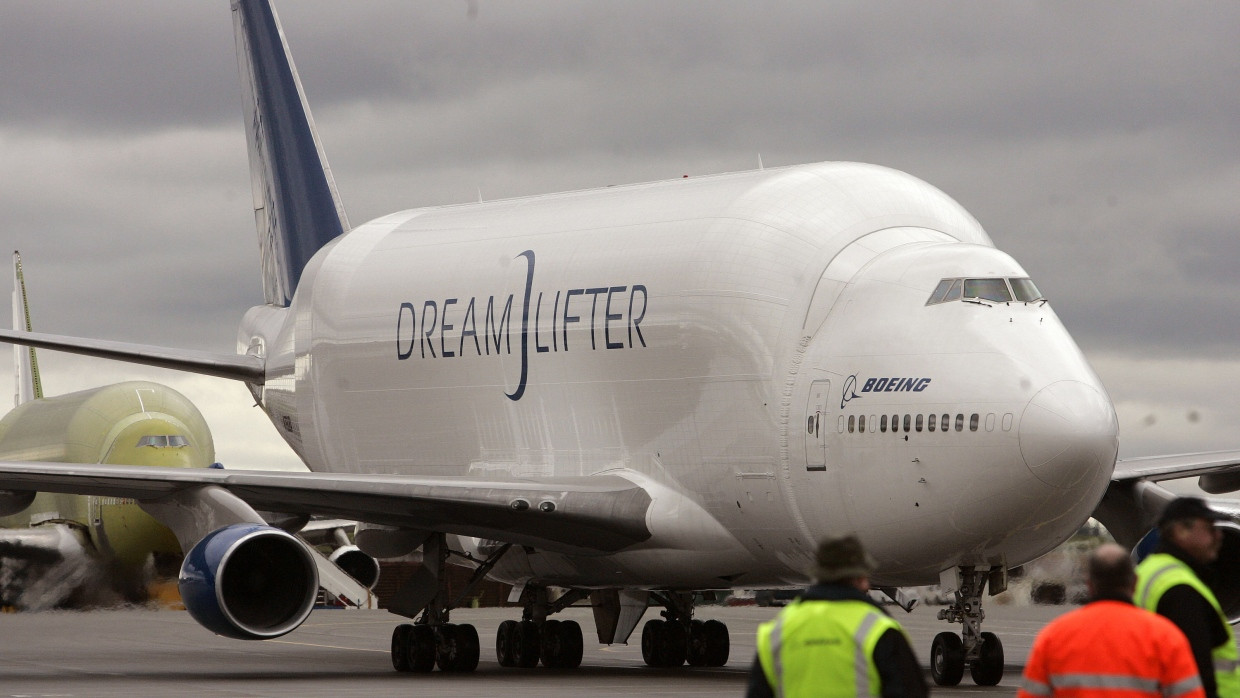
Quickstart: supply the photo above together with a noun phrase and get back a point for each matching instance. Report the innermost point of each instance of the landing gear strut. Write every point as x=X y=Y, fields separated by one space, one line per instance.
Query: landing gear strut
x=981 y=652
x=677 y=637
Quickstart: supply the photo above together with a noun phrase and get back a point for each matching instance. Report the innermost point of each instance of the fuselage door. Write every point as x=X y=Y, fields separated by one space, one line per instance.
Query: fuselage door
x=816 y=425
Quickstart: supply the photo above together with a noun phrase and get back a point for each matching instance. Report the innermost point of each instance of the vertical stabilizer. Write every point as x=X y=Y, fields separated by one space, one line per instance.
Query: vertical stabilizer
x=25 y=366
x=296 y=206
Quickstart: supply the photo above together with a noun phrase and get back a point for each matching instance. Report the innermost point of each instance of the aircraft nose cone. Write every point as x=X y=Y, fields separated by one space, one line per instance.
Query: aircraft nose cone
x=1069 y=434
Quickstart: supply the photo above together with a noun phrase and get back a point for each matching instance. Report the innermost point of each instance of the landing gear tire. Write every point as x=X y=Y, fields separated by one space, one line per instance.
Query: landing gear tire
x=709 y=644
x=401 y=638
x=562 y=644
x=572 y=643
x=525 y=644
x=421 y=649
x=664 y=644
x=504 y=643
x=947 y=659
x=987 y=670
x=456 y=647
x=549 y=644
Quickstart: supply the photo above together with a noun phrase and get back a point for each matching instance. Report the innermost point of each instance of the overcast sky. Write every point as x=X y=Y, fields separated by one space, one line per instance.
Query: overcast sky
x=1098 y=143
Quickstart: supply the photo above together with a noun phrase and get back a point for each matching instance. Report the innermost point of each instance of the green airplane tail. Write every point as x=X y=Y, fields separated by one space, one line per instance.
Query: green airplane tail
x=25 y=363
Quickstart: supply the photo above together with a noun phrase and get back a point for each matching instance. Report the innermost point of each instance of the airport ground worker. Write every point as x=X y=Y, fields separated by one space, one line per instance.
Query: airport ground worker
x=834 y=640
x=1175 y=582
x=1109 y=647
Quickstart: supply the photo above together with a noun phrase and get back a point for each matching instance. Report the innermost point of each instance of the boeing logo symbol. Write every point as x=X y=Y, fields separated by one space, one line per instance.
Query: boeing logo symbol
x=850 y=390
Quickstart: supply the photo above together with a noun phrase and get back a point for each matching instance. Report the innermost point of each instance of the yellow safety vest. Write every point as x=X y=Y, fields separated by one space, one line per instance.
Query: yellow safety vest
x=1157 y=574
x=823 y=648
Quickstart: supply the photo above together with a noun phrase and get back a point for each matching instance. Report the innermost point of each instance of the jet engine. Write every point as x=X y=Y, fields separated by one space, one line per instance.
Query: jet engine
x=357 y=564
x=249 y=581
x=15 y=501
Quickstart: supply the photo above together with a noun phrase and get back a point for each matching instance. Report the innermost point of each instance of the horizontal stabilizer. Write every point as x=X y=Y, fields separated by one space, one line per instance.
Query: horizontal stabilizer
x=570 y=514
x=234 y=366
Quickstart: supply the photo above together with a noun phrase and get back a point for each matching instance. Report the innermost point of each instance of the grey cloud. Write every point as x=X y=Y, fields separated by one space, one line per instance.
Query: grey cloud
x=1097 y=142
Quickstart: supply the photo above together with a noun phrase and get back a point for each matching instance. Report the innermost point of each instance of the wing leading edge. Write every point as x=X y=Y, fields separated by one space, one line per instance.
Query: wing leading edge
x=590 y=514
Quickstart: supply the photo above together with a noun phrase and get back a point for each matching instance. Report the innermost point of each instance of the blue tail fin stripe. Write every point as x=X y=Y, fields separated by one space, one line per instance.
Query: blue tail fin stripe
x=297 y=208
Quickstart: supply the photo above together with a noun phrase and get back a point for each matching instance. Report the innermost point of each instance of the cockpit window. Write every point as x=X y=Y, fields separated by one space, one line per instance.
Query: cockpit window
x=987 y=289
x=173 y=441
x=994 y=290
x=1025 y=290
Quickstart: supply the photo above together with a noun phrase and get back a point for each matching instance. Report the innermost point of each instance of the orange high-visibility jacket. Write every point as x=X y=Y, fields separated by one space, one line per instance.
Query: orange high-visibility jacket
x=1111 y=649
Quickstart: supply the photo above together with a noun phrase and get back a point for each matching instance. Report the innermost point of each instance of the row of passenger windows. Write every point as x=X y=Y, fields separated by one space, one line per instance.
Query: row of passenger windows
x=921 y=422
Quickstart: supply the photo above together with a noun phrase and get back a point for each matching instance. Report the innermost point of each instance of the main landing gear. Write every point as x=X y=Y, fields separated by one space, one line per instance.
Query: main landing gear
x=558 y=644
x=421 y=647
x=982 y=652
x=677 y=637
x=433 y=641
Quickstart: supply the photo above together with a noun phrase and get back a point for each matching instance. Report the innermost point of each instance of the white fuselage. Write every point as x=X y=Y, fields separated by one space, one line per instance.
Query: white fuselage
x=718 y=339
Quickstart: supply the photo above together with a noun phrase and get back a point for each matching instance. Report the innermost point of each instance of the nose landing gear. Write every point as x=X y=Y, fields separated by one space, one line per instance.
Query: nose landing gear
x=981 y=652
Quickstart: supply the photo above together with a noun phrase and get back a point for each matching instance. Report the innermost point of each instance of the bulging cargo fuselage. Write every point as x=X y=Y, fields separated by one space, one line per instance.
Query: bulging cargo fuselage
x=768 y=346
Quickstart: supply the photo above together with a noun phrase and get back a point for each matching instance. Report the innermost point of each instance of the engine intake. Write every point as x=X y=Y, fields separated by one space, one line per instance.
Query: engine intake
x=357 y=564
x=249 y=581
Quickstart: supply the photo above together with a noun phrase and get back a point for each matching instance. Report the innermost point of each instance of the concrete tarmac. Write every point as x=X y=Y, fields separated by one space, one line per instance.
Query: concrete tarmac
x=345 y=653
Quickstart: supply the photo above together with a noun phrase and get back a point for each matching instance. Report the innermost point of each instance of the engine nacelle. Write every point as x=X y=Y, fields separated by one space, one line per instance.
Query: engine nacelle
x=249 y=581
x=357 y=564
x=15 y=501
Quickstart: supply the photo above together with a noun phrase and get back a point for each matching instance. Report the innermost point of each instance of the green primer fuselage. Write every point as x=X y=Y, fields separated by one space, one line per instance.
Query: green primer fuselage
x=131 y=423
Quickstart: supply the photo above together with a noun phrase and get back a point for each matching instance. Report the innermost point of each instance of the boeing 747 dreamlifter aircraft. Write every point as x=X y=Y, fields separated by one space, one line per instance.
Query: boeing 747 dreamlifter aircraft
x=633 y=394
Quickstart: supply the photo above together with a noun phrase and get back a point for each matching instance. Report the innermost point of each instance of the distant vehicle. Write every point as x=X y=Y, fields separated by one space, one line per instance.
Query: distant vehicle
x=776 y=597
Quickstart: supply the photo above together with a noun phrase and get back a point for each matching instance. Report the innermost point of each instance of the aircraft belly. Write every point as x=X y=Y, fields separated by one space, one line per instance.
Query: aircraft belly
x=683 y=569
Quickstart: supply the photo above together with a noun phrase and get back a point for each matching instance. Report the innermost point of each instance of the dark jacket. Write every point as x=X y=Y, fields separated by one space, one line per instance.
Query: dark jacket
x=898 y=669
x=1194 y=615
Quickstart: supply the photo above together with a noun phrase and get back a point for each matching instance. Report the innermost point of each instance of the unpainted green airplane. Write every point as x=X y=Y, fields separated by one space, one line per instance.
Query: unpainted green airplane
x=73 y=550
x=61 y=549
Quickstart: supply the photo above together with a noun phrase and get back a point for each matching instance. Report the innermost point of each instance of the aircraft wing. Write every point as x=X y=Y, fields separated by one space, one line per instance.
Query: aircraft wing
x=1134 y=498
x=602 y=513
x=234 y=366
x=1156 y=468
